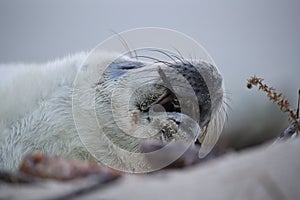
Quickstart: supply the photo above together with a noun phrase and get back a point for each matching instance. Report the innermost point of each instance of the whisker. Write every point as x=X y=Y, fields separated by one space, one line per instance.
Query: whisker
x=179 y=55
x=124 y=43
x=182 y=60
x=225 y=112
x=165 y=53
x=152 y=58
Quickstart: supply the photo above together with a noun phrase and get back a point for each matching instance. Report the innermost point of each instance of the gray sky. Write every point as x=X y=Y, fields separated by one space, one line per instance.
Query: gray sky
x=244 y=38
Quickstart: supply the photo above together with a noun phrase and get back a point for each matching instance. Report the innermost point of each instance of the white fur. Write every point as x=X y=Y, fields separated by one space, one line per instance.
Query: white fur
x=20 y=84
x=36 y=112
x=35 y=101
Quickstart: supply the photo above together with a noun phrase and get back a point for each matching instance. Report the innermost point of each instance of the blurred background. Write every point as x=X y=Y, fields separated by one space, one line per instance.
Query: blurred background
x=244 y=38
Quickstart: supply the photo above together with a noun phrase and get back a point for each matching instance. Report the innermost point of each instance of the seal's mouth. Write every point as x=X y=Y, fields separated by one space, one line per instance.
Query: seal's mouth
x=170 y=103
x=167 y=101
x=164 y=110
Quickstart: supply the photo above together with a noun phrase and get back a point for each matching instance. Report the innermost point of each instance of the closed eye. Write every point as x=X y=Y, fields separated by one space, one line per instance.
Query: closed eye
x=119 y=68
x=126 y=65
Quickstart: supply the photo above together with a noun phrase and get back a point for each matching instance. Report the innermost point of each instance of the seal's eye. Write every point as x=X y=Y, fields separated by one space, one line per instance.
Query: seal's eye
x=127 y=67
x=120 y=67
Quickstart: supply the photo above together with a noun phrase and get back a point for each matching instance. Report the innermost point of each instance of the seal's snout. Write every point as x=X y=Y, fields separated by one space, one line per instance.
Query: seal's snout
x=206 y=83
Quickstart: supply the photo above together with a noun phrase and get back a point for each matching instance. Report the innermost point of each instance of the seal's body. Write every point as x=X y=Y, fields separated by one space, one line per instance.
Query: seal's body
x=36 y=110
x=36 y=105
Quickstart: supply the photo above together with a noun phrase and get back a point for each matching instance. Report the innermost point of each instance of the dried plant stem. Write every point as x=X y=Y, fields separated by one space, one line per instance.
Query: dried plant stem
x=275 y=98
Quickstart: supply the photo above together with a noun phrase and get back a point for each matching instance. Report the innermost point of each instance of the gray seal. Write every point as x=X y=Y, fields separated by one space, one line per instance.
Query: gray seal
x=132 y=94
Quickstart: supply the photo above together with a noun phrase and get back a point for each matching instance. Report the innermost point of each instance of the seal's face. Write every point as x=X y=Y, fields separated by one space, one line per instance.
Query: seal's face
x=152 y=100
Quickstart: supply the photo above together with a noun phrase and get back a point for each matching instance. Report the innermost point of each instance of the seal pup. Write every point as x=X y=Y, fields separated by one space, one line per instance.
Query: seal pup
x=36 y=105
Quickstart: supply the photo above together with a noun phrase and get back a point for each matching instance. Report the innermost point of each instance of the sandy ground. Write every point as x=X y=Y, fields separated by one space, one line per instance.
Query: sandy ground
x=266 y=172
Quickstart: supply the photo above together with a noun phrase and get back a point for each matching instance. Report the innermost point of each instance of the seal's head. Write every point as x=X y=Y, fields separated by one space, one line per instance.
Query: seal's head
x=163 y=100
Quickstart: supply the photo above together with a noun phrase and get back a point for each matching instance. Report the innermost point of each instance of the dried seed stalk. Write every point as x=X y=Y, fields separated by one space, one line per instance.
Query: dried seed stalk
x=275 y=98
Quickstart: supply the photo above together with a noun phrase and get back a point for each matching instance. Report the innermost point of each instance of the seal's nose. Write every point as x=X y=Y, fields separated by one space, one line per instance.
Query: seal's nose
x=195 y=78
